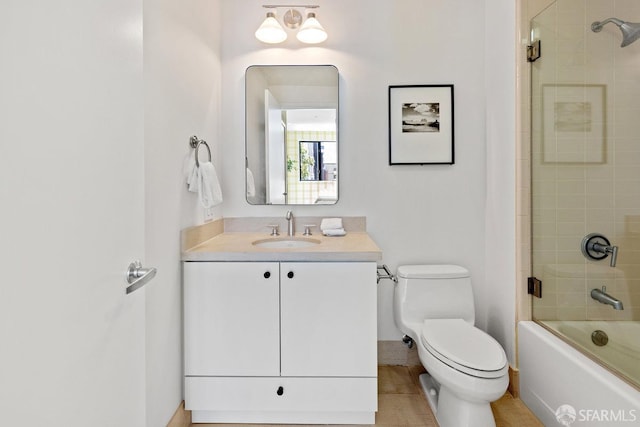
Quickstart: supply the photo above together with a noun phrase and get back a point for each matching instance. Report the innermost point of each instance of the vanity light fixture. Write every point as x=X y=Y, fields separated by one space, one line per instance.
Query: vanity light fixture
x=311 y=31
x=272 y=32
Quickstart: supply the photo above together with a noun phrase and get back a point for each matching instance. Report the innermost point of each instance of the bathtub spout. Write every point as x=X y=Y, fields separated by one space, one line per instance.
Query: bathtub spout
x=603 y=297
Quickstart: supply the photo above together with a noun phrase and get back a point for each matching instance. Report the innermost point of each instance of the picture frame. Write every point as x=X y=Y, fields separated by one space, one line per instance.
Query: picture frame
x=421 y=125
x=574 y=123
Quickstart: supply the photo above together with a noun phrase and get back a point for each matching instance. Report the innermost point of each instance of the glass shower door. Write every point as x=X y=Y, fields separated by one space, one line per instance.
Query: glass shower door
x=585 y=164
x=577 y=156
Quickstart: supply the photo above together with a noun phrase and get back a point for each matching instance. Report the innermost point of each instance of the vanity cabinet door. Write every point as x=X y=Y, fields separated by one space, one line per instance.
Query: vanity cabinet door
x=328 y=319
x=231 y=318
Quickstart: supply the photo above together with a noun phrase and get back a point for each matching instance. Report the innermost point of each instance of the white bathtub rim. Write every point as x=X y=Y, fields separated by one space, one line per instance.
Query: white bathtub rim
x=591 y=385
x=581 y=359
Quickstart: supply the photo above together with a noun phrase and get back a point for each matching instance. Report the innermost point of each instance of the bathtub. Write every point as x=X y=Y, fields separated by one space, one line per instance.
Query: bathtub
x=562 y=386
x=622 y=351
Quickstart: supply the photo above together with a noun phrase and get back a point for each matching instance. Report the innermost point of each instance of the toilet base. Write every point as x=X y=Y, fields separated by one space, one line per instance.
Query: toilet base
x=451 y=411
x=431 y=389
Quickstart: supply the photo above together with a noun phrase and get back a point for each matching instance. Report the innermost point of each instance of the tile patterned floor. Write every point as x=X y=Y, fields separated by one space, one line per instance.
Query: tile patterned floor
x=402 y=403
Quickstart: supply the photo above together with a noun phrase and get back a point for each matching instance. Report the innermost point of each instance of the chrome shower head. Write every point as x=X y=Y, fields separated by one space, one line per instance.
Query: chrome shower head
x=630 y=30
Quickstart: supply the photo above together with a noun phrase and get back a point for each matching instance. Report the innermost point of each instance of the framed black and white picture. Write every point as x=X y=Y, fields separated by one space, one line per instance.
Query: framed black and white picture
x=421 y=125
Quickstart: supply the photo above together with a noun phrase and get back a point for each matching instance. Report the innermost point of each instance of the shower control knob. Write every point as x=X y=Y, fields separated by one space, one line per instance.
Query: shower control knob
x=280 y=391
x=595 y=246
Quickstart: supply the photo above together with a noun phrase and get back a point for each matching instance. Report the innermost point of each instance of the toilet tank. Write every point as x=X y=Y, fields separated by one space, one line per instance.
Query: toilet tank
x=433 y=292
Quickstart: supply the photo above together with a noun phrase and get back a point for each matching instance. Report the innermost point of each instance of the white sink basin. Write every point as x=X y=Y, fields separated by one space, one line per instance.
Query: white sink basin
x=286 y=243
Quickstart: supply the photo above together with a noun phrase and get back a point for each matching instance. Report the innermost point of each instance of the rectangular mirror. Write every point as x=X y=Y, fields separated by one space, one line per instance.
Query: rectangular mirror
x=291 y=128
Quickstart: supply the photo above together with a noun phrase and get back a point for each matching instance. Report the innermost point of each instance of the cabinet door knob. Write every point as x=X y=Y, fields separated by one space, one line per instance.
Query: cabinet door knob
x=290 y=275
x=267 y=274
x=280 y=391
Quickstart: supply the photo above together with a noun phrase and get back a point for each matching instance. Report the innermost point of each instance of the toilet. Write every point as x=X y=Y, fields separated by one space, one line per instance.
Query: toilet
x=466 y=368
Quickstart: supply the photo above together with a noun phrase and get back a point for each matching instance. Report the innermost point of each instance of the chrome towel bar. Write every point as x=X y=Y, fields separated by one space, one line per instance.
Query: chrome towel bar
x=195 y=142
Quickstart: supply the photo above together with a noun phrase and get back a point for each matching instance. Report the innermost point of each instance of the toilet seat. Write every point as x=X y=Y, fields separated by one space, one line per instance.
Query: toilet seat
x=464 y=347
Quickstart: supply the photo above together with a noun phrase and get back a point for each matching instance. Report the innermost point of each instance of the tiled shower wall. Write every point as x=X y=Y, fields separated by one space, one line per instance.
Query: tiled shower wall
x=573 y=194
x=306 y=192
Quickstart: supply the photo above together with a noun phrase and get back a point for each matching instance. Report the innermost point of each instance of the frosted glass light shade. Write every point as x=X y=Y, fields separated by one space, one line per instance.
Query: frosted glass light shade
x=271 y=31
x=311 y=31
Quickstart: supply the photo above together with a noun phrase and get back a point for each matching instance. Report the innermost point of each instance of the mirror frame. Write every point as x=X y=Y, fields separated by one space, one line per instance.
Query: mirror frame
x=256 y=128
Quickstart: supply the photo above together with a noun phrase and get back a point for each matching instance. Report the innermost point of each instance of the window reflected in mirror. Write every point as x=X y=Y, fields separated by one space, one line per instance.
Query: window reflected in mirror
x=318 y=161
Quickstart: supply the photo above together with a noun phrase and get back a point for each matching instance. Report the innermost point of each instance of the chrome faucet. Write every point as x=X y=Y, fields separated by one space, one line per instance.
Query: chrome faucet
x=290 y=230
x=603 y=297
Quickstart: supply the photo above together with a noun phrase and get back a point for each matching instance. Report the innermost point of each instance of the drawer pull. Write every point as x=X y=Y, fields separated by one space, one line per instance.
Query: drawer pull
x=280 y=391
x=267 y=274
x=290 y=275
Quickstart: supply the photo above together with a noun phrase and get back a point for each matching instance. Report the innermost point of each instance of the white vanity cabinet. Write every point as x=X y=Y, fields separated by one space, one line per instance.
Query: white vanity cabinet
x=281 y=342
x=231 y=318
x=328 y=314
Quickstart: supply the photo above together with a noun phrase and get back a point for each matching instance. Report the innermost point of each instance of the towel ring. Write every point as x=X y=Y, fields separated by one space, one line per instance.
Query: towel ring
x=195 y=143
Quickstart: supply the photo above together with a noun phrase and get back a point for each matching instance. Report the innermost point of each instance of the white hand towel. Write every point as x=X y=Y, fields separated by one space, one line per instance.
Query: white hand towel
x=209 y=186
x=331 y=224
x=251 y=184
x=334 y=232
x=191 y=173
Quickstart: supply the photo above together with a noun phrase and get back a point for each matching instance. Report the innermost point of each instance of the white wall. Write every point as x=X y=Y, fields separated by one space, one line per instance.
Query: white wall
x=182 y=98
x=497 y=300
x=415 y=213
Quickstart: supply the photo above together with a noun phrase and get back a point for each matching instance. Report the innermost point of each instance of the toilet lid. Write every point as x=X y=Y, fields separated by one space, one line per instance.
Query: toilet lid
x=464 y=347
x=432 y=271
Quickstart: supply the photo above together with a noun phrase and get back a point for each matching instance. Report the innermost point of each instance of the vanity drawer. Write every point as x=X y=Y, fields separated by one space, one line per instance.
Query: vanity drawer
x=281 y=394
